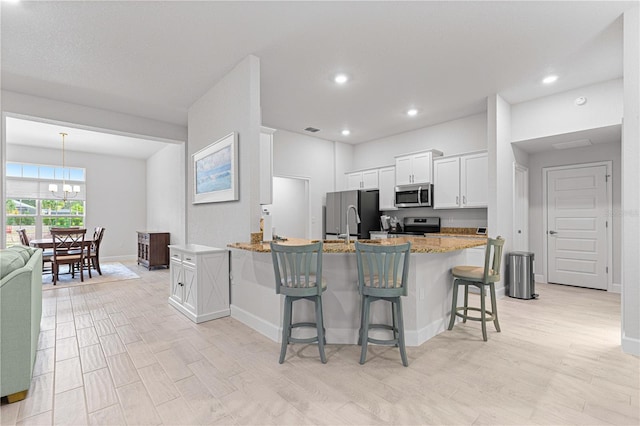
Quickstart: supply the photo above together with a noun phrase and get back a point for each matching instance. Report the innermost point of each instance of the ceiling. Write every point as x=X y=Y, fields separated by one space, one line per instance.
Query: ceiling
x=597 y=136
x=47 y=135
x=155 y=59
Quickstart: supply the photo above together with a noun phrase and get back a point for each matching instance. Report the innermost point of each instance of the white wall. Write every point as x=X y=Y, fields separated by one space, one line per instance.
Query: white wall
x=109 y=121
x=452 y=137
x=232 y=105
x=501 y=158
x=630 y=186
x=298 y=155
x=558 y=114
x=116 y=194
x=601 y=152
x=166 y=192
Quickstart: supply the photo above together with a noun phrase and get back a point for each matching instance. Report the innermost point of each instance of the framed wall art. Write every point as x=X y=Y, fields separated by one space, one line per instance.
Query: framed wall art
x=215 y=171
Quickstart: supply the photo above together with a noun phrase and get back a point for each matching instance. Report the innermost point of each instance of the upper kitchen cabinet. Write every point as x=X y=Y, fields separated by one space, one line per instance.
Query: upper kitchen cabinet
x=266 y=165
x=415 y=168
x=387 y=183
x=367 y=179
x=461 y=181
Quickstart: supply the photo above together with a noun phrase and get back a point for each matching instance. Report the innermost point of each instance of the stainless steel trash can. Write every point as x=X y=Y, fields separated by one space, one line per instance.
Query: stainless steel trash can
x=521 y=275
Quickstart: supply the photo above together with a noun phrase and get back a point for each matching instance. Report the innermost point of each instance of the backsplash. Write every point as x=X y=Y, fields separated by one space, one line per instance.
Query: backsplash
x=459 y=218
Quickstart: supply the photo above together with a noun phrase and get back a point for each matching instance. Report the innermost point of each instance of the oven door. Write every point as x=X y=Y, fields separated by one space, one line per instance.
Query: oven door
x=413 y=196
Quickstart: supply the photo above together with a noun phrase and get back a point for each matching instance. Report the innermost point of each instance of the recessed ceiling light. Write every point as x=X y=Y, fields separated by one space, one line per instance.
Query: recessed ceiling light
x=341 y=78
x=412 y=112
x=346 y=132
x=550 y=79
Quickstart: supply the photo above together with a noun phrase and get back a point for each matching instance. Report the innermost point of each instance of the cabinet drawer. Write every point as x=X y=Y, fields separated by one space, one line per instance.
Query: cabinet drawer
x=176 y=256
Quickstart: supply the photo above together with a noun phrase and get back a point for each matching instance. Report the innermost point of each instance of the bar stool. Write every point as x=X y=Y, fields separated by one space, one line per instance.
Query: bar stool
x=479 y=277
x=382 y=275
x=298 y=272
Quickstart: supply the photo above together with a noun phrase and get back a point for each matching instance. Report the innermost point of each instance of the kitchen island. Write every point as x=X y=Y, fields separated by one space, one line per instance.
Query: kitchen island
x=426 y=308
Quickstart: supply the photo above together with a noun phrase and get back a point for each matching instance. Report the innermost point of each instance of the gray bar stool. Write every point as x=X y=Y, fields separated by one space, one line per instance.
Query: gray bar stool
x=298 y=272
x=382 y=275
x=480 y=277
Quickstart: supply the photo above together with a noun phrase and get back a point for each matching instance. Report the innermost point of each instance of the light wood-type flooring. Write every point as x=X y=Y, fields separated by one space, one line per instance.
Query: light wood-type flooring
x=117 y=353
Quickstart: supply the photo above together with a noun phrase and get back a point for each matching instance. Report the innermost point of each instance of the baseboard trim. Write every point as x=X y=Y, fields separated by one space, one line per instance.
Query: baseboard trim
x=263 y=327
x=630 y=345
x=615 y=288
x=540 y=278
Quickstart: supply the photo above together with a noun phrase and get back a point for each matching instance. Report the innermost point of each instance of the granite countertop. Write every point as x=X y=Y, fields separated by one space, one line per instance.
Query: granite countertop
x=431 y=244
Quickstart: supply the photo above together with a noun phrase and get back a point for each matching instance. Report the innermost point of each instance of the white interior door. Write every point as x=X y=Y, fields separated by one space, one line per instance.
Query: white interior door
x=520 y=208
x=577 y=226
x=290 y=208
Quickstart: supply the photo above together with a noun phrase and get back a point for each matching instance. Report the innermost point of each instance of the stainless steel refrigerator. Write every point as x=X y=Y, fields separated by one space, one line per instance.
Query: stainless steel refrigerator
x=366 y=201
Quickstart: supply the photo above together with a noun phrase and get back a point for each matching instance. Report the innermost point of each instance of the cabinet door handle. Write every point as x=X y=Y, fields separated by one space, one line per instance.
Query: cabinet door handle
x=187 y=258
x=181 y=285
x=457 y=199
x=464 y=199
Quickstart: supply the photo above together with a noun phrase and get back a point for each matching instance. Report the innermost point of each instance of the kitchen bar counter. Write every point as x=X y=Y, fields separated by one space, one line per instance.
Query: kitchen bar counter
x=426 y=308
x=434 y=243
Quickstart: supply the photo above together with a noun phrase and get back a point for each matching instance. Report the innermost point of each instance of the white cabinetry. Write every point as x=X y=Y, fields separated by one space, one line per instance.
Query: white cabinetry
x=199 y=281
x=387 y=183
x=367 y=179
x=266 y=165
x=461 y=181
x=415 y=168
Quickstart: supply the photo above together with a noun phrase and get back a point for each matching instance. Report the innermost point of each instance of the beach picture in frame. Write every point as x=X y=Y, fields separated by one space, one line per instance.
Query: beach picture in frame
x=215 y=171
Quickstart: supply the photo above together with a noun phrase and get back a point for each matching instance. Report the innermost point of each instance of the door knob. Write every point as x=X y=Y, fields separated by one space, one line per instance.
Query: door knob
x=552 y=232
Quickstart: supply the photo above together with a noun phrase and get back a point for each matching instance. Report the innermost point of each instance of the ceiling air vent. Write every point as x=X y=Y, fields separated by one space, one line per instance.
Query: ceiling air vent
x=311 y=129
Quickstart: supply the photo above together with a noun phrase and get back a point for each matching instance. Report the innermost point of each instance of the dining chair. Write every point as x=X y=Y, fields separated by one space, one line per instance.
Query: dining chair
x=24 y=238
x=382 y=275
x=480 y=277
x=94 y=250
x=298 y=274
x=47 y=255
x=68 y=249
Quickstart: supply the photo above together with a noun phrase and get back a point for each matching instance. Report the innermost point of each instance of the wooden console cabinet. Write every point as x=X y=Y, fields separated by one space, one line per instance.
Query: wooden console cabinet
x=153 y=249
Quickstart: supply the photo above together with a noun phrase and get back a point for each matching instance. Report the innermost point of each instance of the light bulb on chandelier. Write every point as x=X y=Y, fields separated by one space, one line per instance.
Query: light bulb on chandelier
x=68 y=191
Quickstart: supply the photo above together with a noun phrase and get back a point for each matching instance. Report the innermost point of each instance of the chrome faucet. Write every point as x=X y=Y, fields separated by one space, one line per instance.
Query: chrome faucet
x=355 y=210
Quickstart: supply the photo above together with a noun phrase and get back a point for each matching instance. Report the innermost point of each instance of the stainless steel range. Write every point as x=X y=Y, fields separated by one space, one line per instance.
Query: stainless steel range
x=419 y=226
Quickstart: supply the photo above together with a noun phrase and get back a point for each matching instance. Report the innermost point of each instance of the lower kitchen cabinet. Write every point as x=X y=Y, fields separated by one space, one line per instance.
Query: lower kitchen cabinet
x=199 y=281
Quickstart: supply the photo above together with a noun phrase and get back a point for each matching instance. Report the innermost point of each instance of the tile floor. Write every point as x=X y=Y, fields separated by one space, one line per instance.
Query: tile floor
x=117 y=353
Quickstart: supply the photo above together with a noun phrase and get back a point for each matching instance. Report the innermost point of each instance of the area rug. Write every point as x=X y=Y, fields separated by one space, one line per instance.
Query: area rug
x=112 y=271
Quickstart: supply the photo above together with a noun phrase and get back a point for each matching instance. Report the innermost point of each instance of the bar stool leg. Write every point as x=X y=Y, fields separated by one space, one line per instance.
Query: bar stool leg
x=483 y=314
x=454 y=304
x=320 y=328
x=361 y=320
x=394 y=321
x=286 y=328
x=494 y=306
x=466 y=302
x=365 y=329
x=403 y=352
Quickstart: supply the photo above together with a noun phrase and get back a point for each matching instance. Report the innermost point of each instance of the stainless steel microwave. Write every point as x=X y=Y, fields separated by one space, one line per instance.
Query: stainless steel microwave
x=413 y=195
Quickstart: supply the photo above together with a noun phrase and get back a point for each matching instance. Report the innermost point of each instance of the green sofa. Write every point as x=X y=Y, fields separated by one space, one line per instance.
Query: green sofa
x=20 y=314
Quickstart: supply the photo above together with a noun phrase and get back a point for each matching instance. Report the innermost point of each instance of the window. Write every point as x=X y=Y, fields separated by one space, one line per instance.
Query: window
x=30 y=205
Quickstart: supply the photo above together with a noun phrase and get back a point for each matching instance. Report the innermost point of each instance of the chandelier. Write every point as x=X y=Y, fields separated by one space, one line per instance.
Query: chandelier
x=68 y=191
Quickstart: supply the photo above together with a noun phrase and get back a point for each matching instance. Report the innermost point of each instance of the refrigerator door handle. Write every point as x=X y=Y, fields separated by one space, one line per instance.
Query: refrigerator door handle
x=420 y=195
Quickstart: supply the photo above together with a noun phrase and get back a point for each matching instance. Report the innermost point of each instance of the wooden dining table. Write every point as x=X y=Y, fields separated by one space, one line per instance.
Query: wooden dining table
x=47 y=243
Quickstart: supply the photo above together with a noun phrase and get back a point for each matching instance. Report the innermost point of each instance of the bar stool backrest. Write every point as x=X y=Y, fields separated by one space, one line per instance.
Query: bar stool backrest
x=298 y=269
x=383 y=270
x=493 y=260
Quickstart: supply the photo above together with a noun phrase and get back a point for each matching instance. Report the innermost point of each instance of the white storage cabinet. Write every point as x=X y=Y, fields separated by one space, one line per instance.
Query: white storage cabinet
x=199 y=281
x=266 y=165
x=461 y=181
x=366 y=179
x=387 y=183
x=415 y=168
